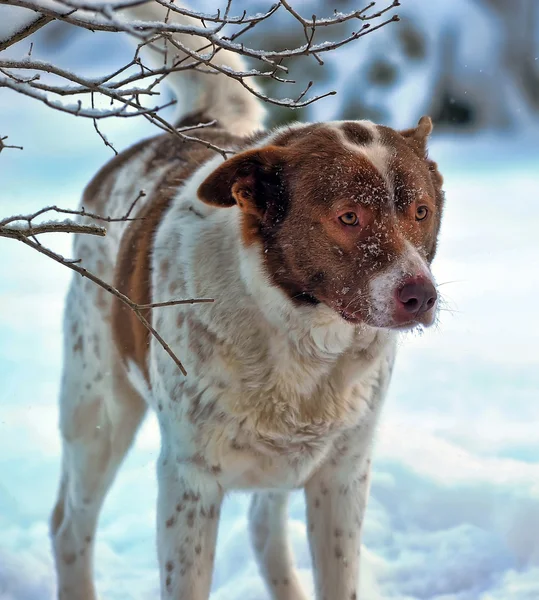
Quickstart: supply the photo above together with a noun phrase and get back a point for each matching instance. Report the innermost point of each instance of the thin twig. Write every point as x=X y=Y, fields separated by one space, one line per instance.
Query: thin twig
x=81 y=212
x=26 y=235
x=175 y=303
x=109 y=288
x=125 y=89
x=3 y=145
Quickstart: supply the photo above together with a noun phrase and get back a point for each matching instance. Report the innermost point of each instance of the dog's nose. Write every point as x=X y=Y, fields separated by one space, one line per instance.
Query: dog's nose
x=417 y=295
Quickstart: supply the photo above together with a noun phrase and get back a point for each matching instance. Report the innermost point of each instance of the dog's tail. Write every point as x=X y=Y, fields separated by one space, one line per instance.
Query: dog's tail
x=212 y=95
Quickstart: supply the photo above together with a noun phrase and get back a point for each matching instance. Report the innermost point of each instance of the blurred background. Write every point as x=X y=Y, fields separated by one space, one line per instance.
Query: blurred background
x=454 y=512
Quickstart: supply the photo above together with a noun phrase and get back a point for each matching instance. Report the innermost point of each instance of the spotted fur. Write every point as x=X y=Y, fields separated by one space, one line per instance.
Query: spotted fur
x=287 y=369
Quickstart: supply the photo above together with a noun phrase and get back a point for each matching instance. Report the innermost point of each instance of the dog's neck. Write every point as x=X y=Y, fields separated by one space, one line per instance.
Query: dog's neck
x=316 y=326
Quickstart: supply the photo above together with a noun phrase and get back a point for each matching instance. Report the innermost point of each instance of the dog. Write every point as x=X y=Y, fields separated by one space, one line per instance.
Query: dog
x=315 y=241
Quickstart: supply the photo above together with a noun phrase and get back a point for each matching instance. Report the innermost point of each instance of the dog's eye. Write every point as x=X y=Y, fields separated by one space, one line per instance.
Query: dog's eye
x=421 y=213
x=349 y=218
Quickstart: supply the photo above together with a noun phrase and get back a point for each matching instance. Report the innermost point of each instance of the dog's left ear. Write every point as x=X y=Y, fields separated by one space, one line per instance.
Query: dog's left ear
x=250 y=179
x=418 y=136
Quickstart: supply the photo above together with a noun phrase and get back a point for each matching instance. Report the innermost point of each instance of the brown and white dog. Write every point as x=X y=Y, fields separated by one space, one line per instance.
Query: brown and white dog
x=315 y=241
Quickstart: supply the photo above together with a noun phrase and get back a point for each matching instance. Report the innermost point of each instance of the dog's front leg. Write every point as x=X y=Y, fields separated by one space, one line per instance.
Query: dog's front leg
x=188 y=509
x=336 y=500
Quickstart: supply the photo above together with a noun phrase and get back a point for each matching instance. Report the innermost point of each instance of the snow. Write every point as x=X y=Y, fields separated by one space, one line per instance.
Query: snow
x=13 y=19
x=454 y=510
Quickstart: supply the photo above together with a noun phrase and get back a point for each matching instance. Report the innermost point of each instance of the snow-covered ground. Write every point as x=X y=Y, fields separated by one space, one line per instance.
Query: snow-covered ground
x=454 y=511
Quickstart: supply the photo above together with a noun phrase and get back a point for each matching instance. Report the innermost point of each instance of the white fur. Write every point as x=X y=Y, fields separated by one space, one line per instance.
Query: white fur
x=237 y=109
x=276 y=397
x=383 y=286
x=377 y=154
x=321 y=379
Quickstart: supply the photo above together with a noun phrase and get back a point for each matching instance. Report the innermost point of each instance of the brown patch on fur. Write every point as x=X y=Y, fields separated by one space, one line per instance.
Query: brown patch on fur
x=69 y=559
x=200 y=411
x=100 y=267
x=292 y=192
x=356 y=133
x=133 y=267
x=79 y=345
x=295 y=134
x=201 y=341
x=133 y=276
x=180 y=319
x=248 y=179
x=164 y=268
x=102 y=298
x=191 y=497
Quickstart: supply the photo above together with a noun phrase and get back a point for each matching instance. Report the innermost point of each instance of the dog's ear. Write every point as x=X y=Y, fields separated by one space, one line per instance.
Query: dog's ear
x=249 y=179
x=417 y=137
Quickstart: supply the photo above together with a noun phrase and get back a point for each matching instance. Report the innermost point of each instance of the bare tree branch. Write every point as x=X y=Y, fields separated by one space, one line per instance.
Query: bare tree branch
x=67 y=226
x=25 y=233
x=39 y=22
x=4 y=145
x=130 y=87
x=126 y=88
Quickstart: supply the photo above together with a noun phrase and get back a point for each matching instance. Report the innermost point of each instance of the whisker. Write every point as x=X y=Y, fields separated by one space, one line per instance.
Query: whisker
x=445 y=303
x=448 y=282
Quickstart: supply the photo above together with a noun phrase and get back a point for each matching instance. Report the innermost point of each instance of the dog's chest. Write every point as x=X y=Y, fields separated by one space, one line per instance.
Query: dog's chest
x=265 y=399
x=267 y=422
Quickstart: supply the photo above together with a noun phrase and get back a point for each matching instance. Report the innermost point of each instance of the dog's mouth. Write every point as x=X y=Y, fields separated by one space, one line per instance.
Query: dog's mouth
x=307 y=298
x=355 y=317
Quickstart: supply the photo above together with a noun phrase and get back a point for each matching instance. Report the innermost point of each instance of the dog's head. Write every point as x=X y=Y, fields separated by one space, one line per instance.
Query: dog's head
x=347 y=214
